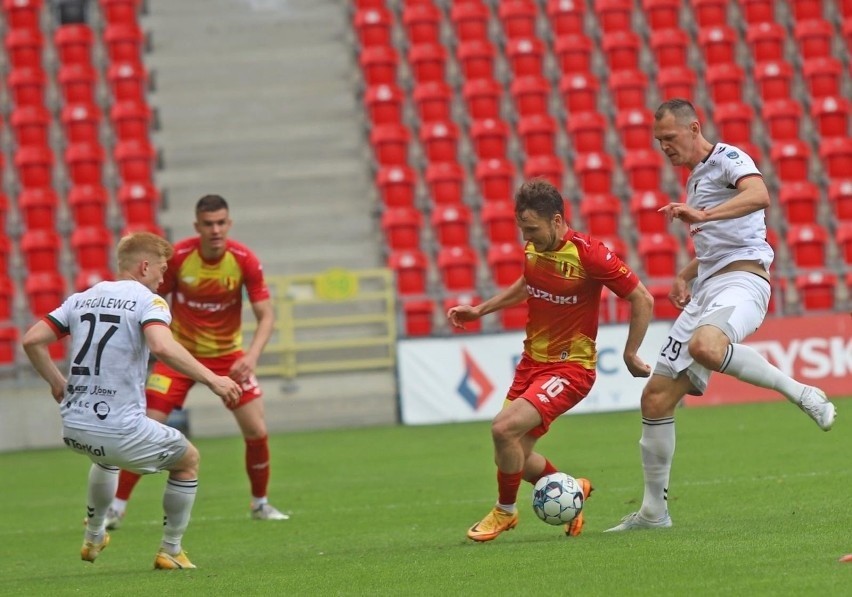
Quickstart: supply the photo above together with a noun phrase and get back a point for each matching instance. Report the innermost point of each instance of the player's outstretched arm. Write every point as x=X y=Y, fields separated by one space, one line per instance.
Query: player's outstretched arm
x=641 y=310
x=509 y=296
x=166 y=348
x=35 y=346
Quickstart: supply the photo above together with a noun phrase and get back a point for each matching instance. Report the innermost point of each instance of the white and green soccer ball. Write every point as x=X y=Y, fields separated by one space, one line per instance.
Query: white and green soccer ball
x=557 y=498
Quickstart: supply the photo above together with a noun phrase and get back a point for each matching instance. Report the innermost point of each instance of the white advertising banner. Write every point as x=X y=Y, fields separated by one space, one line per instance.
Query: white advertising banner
x=465 y=378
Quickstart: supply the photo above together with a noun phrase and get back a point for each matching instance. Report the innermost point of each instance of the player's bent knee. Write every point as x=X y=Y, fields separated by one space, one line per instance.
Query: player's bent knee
x=658 y=401
x=187 y=467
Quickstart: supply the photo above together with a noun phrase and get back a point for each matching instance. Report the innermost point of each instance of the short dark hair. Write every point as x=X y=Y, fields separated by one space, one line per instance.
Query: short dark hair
x=681 y=109
x=211 y=203
x=540 y=196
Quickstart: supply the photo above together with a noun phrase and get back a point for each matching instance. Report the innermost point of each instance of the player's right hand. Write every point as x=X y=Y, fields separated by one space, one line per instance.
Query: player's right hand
x=679 y=295
x=227 y=389
x=459 y=314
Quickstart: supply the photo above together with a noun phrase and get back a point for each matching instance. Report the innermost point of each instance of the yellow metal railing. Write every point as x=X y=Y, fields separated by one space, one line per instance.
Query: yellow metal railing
x=338 y=320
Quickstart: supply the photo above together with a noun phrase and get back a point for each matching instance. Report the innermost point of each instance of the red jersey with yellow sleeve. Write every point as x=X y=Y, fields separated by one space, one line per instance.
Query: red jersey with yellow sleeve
x=564 y=287
x=207 y=297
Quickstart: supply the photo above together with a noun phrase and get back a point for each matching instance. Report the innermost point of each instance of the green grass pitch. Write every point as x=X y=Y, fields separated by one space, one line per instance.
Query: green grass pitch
x=761 y=501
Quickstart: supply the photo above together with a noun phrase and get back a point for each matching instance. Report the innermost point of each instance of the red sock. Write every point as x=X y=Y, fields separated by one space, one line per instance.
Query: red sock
x=257 y=465
x=507 y=487
x=548 y=469
x=126 y=482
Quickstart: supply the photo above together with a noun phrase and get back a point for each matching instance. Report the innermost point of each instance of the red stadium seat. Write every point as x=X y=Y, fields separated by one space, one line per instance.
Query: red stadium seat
x=635 y=128
x=7 y=295
x=725 y=81
x=643 y=168
x=128 y=81
x=659 y=254
x=422 y=23
x=766 y=41
x=451 y=224
x=565 y=16
x=676 y=82
x=814 y=38
x=23 y=48
x=758 y=11
x=45 y=291
x=836 y=156
x=396 y=185
x=531 y=95
x=495 y=179
x=31 y=125
x=782 y=117
x=482 y=98
x=816 y=290
x=548 y=167
x=384 y=104
x=27 y=86
x=411 y=270
x=670 y=46
x=517 y=18
x=773 y=79
x=428 y=62
x=587 y=131
x=840 y=198
x=718 y=44
x=799 y=202
x=40 y=248
x=525 y=56
x=628 y=89
x=594 y=172
x=710 y=13
x=457 y=268
x=847 y=32
x=579 y=93
x=390 y=144
x=476 y=59
x=498 y=222
x=645 y=209
x=86 y=278
x=92 y=247
x=418 y=315
x=822 y=76
x=401 y=227
x=515 y=317
x=88 y=205
x=373 y=26
x=22 y=14
x=84 y=163
x=81 y=123
x=135 y=161
x=37 y=207
x=469 y=298
x=433 y=101
x=490 y=138
x=78 y=83
x=791 y=160
x=843 y=237
x=470 y=20
x=140 y=203
x=601 y=213
x=621 y=49
x=120 y=11
x=4 y=211
x=807 y=245
x=445 y=182
x=845 y=7
x=124 y=42
x=661 y=15
x=573 y=52
x=537 y=134
x=131 y=121
x=379 y=65
x=440 y=141
x=663 y=307
x=831 y=116
x=613 y=15
x=733 y=122
x=34 y=166
x=506 y=261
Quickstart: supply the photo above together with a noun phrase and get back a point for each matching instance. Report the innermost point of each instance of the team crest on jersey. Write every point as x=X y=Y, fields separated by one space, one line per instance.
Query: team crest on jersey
x=229 y=282
x=568 y=270
x=732 y=155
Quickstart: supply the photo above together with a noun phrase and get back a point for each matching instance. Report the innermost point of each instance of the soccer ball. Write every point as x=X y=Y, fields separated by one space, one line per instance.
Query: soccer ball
x=557 y=498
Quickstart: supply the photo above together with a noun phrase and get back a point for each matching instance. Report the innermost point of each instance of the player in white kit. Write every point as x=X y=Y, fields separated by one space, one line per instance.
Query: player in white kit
x=728 y=299
x=113 y=327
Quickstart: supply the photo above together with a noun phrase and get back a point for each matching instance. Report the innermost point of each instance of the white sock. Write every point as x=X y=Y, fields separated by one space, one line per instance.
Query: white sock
x=119 y=506
x=746 y=364
x=257 y=502
x=178 y=499
x=103 y=481
x=510 y=508
x=657 y=447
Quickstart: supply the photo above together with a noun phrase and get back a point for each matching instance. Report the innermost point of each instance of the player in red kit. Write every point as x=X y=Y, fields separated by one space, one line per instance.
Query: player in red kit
x=564 y=273
x=205 y=280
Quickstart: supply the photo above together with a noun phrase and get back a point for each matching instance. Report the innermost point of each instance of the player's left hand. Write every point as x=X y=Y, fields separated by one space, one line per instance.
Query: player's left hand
x=242 y=369
x=636 y=366
x=682 y=212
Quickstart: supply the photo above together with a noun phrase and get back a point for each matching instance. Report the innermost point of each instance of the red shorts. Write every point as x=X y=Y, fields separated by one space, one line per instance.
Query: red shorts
x=552 y=388
x=166 y=389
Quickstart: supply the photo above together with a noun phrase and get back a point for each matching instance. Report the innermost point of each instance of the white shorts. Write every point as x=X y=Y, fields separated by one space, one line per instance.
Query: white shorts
x=150 y=448
x=735 y=302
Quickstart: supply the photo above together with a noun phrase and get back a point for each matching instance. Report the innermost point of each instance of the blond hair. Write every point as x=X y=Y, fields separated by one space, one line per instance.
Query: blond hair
x=135 y=247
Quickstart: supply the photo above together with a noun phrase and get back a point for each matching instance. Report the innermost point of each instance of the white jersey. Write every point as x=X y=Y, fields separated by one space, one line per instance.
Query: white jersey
x=712 y=182
x=109 y=356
